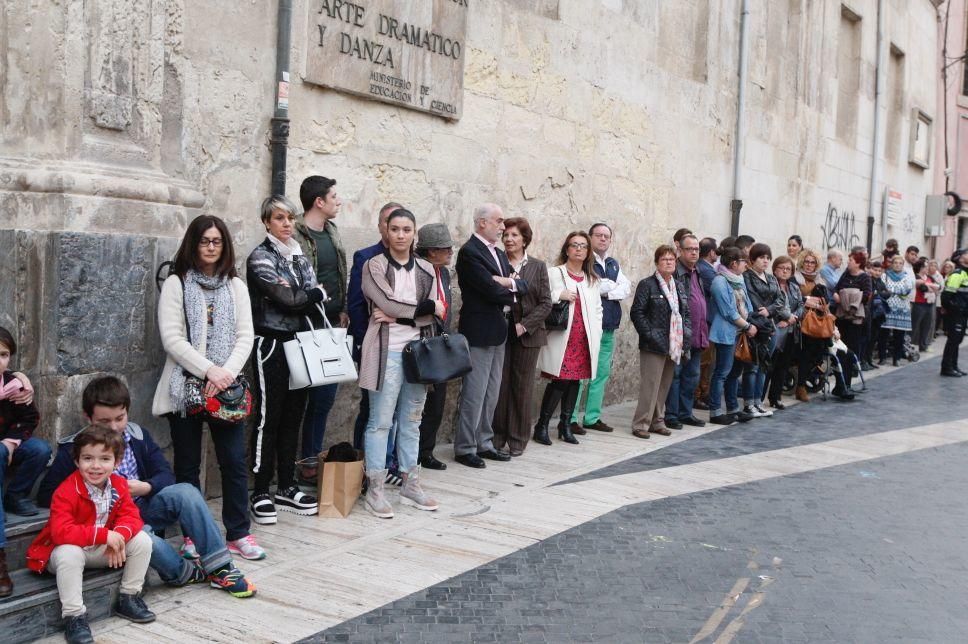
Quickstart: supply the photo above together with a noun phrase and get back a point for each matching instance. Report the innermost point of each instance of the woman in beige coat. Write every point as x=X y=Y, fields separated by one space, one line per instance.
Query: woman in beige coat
x=571 y=354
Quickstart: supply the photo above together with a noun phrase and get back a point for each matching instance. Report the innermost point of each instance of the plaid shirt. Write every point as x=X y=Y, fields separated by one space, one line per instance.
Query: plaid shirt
x=104 y=500
x=128 y=467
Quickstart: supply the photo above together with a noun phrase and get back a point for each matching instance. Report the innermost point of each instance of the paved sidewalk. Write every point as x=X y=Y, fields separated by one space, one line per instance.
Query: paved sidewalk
x=323 y=572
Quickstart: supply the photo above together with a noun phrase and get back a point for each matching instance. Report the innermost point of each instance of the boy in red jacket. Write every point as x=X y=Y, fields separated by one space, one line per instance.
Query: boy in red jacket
x=94 y=523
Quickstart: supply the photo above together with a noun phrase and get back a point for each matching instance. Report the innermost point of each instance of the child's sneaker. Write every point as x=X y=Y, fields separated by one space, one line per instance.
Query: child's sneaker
x=231 y=580
x=263 y=510
x=247 y=548
x=292 y=499
x=188 y=550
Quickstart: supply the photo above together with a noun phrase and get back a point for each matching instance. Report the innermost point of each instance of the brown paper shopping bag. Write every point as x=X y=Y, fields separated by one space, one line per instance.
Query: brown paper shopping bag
x=340 y=485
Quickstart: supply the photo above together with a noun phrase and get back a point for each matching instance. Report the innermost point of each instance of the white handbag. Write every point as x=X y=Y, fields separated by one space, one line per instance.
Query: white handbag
x=320 y=356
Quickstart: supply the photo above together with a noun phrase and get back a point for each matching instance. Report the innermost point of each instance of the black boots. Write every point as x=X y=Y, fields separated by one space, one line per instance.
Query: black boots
x=6 y=585
x=568 y=402
x=553 y=394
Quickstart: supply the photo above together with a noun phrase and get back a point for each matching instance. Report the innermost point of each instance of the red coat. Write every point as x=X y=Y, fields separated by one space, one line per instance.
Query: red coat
x=72 y=516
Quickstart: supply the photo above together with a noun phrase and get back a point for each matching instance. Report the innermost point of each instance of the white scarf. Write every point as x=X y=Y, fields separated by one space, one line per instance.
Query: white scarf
x=675 y=319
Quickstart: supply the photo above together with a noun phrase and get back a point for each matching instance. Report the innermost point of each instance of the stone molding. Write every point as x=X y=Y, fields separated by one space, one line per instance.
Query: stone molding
x=96 y=180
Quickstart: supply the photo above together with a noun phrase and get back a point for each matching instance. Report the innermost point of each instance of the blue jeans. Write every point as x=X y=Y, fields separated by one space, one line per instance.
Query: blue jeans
x=754 y=378
x=721 y=370
x=29 y=459
x=320 y=402
x=684 y=380
x=182 y=503
x=398 y=398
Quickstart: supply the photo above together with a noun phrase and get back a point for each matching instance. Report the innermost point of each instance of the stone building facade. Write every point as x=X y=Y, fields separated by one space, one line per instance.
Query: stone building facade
x=120 y=120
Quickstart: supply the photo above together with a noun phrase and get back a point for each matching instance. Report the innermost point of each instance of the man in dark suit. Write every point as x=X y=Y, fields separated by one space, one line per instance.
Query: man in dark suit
x=435 y=245
x=488 y=288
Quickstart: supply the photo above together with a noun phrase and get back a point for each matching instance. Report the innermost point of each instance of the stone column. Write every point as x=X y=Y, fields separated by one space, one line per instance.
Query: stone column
x=93 y=195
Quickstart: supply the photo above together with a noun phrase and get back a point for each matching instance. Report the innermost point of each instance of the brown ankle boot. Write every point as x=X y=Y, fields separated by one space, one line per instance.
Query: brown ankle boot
x=6 y=585
x=802 y=394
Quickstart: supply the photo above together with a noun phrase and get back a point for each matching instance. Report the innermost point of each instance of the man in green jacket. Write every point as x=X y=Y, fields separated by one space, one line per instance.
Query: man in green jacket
x=954 y=299
x=320 y=242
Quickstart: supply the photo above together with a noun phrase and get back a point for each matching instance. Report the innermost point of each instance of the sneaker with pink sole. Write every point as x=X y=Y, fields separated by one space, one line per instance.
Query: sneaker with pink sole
x=247 y=548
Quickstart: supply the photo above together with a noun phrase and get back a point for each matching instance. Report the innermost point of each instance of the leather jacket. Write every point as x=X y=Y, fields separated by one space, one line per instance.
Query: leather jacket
x=281 y=298
x=651 y=312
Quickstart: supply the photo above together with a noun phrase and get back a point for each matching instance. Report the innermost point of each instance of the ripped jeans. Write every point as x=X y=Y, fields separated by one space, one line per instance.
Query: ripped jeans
x=403 y=400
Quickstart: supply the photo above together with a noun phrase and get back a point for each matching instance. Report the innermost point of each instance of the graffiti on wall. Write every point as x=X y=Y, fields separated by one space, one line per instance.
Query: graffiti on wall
x=839 y=230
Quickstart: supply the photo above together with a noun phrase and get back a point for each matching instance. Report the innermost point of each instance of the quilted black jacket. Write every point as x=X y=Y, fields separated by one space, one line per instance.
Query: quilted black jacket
x=651 y=312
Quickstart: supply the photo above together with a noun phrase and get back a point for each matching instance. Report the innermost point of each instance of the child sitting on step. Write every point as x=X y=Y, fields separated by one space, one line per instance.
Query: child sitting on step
x=94 y=523
x=19 y=450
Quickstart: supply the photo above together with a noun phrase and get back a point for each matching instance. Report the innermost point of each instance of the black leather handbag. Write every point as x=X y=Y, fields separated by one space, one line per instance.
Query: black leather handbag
x=557 y=319
x=435 y=359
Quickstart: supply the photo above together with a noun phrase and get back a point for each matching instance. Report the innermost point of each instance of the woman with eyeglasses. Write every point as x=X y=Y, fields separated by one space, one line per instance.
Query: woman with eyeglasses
x=205 y=320
x=812 y=350
x=660 y=315
x=788 y=331
x=571 y=354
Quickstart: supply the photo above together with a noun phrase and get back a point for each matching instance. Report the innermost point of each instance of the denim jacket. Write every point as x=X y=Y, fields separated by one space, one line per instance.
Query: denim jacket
x=723 y=331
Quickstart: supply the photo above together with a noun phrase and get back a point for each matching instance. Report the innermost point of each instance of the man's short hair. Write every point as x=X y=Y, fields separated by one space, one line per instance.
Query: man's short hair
x=107 y=391
x=706 y=246
x=389 y=207
x=910 y=249
x=313 y=187
x=689 y=236
x=679 y=234
x=833 y=252
x=483 y=212
x=744 y=241
x=591 y=230
x=99 y=435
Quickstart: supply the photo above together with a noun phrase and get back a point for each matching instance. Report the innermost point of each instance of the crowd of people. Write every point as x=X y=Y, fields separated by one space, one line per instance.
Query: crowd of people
x=723 y=326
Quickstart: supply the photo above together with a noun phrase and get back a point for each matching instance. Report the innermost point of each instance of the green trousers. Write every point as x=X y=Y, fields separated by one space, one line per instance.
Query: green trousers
x=596 y=386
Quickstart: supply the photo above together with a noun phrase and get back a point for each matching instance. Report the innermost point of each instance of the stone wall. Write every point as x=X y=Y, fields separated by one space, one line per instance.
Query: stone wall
x=121 y=119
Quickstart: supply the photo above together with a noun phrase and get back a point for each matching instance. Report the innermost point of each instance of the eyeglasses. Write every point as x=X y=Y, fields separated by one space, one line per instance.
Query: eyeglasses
x=602 y=235
x=577 y=246
x=214 y=243
x=690 y=249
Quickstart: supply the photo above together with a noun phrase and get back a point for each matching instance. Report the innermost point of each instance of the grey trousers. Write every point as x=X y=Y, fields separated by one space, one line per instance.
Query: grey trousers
x=478 y=398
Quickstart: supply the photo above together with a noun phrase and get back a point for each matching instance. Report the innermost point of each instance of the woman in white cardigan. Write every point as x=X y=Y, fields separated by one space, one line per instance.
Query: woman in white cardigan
x=204 y=290
x=571 y=354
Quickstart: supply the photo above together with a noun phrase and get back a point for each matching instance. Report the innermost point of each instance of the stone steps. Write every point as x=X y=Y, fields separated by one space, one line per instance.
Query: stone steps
x=33 y=610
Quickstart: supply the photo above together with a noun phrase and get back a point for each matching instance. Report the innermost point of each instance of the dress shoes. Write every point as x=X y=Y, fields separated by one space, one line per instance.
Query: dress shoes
x=429 y=462
x=515 y=452
x=641 y=433
x=495 y=455
x=576 y=429
x=662 y=431
x=723 y=419
x=700 y=404
x=951 y=373
x=471 y=460
x=692 y=421
x=599 y=426
x=673 y=424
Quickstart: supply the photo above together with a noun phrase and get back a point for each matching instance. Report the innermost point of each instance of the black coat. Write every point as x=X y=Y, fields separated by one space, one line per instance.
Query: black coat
x=651 y=313
x=482 y=319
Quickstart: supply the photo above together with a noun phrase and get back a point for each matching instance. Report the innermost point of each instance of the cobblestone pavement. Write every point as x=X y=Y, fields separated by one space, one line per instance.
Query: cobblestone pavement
x=866 y=552
x=886 y=405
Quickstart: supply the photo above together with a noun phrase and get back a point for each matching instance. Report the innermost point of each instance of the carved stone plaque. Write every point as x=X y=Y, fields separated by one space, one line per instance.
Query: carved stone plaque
x=404 y=53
